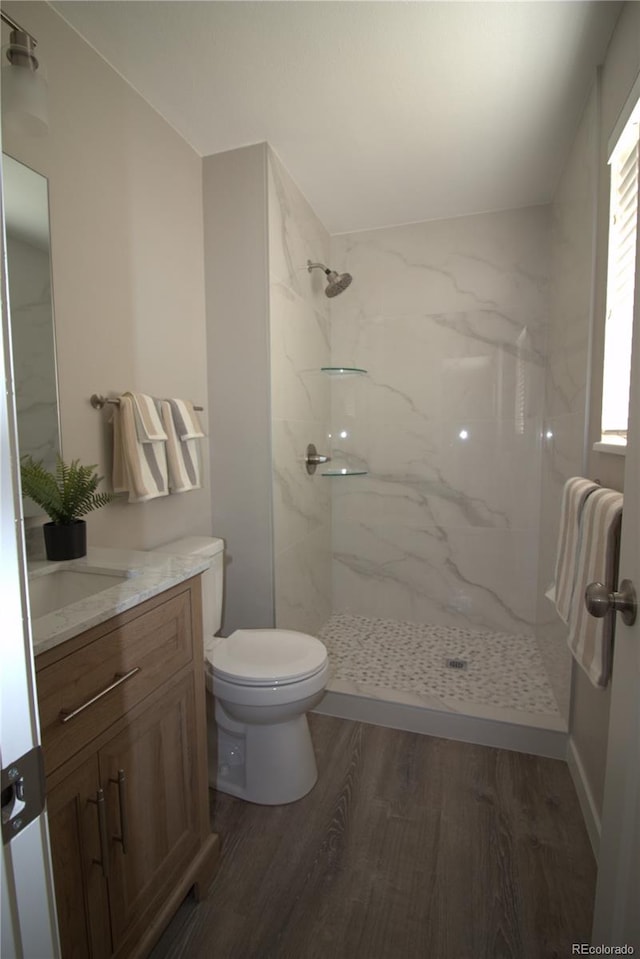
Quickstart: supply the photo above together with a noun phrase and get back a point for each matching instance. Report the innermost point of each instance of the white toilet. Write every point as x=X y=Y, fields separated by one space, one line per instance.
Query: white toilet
x=263 y=682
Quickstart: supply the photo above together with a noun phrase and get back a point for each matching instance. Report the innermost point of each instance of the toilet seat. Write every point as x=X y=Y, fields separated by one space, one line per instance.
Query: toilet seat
x=266 y=657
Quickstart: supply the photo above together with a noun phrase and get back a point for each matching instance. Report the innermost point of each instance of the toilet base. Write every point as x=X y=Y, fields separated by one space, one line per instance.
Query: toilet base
x=269 y=764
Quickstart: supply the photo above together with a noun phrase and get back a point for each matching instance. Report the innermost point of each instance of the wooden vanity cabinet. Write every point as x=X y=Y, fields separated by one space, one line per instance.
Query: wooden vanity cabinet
x=81 y=889
x=127 y=784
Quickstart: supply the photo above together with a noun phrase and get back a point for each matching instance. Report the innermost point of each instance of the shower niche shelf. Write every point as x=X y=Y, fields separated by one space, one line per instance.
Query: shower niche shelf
x=343 y=370
x=346 y=399
x=345 y=472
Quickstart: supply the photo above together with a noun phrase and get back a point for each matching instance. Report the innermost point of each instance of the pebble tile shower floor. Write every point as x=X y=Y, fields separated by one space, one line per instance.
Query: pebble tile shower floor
x=502 y=669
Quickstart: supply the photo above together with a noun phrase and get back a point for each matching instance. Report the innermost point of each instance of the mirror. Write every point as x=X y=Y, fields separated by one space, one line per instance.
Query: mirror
x=26 y=203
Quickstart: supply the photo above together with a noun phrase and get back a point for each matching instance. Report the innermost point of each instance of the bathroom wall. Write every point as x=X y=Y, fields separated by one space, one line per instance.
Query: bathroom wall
x=268 y=337
x=449 y=318
x=237 y=305
x=127 y=252
x=299 y=339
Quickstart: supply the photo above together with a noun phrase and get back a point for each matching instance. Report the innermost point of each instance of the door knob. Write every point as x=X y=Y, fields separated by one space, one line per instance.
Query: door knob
x=599 y=600
x=313 y=458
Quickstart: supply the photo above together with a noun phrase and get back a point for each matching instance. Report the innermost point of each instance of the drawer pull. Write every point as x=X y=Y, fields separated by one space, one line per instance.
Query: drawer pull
x=121 y=783
x=104 y=835
x=66 y=715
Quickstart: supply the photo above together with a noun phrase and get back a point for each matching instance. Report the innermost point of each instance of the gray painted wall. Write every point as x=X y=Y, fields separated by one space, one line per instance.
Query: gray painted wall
x=237 y=312
x=125 y=194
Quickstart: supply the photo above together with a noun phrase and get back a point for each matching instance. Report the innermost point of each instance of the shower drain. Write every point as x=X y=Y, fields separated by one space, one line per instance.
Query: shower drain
x=456 y=663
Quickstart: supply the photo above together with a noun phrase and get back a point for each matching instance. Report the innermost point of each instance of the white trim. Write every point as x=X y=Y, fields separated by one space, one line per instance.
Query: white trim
x=619 y=449
x=548 y=739
x=630 y=104
x=585 y=796
x=594 y=151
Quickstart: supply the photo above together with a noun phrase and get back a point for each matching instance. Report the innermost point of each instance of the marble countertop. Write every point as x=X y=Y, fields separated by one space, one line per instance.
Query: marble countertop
x=147 y=574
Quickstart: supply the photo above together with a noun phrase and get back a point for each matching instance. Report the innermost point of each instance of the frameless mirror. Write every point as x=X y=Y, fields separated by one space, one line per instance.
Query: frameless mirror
x=26 y=208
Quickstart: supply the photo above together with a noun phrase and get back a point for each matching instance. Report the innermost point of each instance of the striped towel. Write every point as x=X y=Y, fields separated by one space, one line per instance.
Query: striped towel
x=590 y=639
x=182 y=454
x=575 y=494
x=148 y=426
x=139 y=449
x=186 y=420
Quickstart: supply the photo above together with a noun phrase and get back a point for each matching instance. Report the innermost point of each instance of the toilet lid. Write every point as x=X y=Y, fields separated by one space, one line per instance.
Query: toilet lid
x=267 y=657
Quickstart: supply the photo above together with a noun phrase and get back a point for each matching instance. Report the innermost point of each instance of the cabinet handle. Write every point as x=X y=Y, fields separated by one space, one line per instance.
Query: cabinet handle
x=121 y=783
x=104 y=834
x=67 y=714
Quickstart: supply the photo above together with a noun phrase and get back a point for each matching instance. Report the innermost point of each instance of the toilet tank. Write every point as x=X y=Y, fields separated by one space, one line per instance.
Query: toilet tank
x=212 y=578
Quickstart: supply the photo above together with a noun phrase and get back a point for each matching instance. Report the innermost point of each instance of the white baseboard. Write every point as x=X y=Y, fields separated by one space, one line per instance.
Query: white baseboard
x=585 y=796
x=501 y=733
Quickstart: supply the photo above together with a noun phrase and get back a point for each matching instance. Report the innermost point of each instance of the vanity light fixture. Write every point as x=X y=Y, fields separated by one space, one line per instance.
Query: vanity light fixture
x=24 y=87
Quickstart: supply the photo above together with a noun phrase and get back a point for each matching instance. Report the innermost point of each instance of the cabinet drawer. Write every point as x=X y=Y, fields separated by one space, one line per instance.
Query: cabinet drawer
x=110 y=675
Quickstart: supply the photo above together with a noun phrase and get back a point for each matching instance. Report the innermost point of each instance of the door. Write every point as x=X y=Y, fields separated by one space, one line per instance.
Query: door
x=149 y=776
x=76 y=810
x=617 y=908
x=28 y=920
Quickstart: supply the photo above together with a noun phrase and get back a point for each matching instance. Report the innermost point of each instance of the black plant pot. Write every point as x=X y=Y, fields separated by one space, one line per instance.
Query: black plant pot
x=65 y=540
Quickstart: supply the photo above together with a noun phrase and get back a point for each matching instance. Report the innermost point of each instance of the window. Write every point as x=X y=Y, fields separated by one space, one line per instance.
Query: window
x=620 y=282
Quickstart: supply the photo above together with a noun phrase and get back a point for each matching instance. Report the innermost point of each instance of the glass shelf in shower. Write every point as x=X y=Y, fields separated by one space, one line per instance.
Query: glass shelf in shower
x=343 y=370
x=345 y=472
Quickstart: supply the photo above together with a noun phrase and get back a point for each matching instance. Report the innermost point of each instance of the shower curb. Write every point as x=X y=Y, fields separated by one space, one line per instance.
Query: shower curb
x=539 y=735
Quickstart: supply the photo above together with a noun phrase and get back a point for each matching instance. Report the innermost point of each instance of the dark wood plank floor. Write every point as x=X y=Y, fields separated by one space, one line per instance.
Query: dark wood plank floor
x=408 y=847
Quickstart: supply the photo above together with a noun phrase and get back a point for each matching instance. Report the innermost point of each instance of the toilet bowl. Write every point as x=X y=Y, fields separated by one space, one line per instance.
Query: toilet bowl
x=264 y=681
x=260 y=685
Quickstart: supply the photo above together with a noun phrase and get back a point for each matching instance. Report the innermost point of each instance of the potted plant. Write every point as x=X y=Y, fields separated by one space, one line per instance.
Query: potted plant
x=65 y=496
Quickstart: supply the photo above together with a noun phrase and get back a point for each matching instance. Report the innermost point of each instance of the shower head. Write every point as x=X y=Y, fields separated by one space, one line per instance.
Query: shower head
x=336 y=282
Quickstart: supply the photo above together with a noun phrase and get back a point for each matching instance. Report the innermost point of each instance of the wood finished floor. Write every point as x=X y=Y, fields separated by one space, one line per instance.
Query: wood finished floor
x=408 y=847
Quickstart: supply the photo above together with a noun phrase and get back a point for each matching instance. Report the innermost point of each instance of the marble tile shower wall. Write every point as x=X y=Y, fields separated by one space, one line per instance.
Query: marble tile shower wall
x=299 y=346
x=567 y=370
x=450 y=319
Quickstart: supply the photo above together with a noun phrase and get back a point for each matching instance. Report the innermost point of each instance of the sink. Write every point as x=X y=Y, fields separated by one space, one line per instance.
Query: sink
x=62 y=587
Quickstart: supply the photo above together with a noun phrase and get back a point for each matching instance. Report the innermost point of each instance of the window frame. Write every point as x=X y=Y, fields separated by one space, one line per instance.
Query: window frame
x=624 y=162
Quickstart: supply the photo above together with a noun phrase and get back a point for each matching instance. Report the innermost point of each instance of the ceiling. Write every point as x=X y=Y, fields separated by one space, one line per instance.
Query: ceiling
x=382 y=112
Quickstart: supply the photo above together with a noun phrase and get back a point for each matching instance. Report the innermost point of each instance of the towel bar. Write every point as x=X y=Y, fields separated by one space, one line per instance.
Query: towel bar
x=98 y=401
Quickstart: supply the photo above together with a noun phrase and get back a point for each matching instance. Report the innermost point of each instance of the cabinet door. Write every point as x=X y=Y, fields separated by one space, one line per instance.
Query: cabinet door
x=151 y=776
x=78 y=870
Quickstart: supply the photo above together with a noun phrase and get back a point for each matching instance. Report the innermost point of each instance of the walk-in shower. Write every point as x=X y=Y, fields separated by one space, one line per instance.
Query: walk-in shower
x=421 y=555
x=436 y=390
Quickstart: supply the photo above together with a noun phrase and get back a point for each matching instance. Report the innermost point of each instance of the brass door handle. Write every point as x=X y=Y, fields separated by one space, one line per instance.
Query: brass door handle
x=599 y=600
x=67 y=714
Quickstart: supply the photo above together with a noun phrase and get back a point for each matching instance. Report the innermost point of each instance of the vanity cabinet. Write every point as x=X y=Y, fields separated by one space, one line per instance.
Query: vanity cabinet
x=81 y=889
x=124 y=741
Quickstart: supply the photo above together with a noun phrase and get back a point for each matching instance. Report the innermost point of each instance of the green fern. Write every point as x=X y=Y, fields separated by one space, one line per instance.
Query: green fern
x=66 y=495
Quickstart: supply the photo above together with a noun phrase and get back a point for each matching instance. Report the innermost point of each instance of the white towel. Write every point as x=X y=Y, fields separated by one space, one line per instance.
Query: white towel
x=182 y=455
x=139 y=465
x=590 y=639
x=574 y=495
